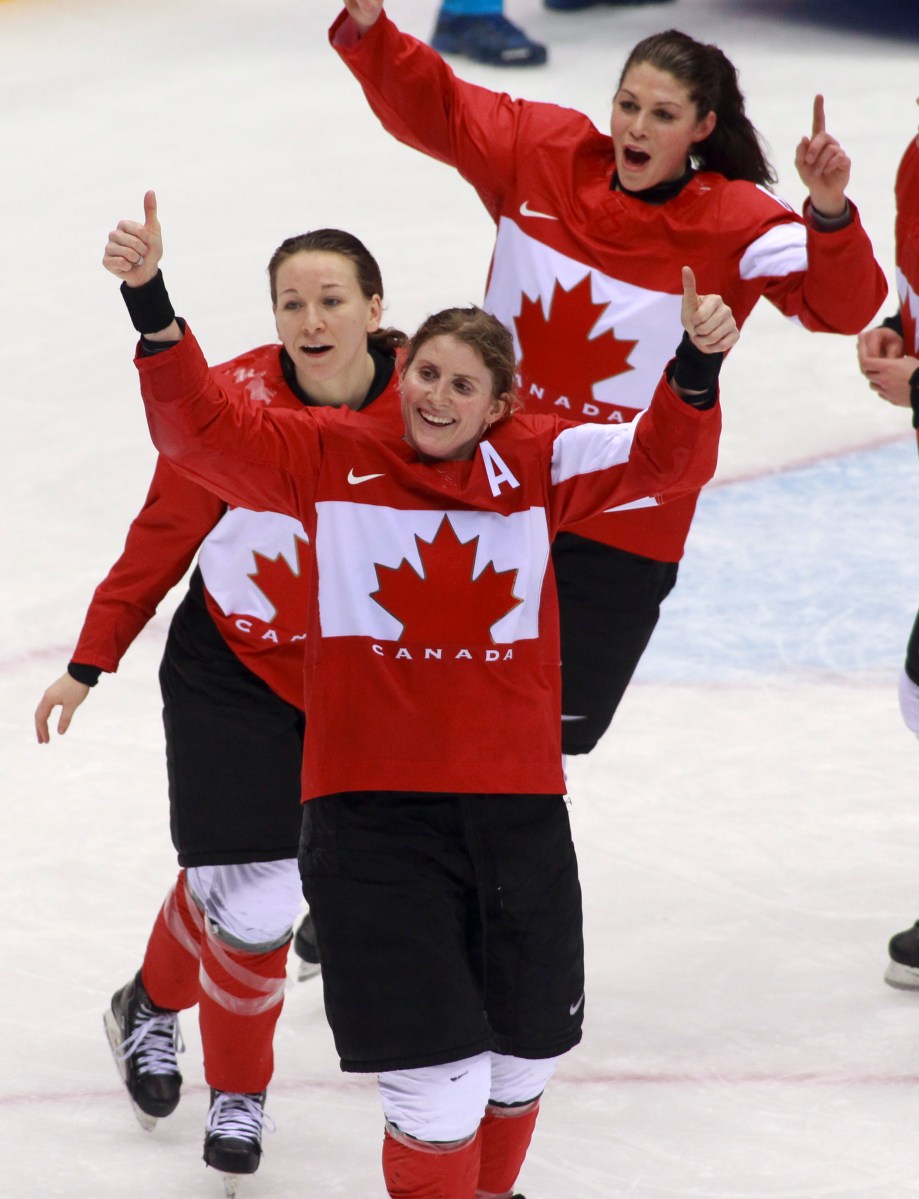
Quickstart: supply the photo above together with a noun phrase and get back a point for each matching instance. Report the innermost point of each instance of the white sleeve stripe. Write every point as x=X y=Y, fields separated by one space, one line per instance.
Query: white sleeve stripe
x=588 y=448
x=781 y=250
x=649 y=501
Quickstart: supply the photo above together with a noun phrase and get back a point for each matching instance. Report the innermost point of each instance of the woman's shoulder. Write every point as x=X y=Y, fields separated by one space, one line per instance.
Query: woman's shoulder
x=256 y=375
x=736 y=204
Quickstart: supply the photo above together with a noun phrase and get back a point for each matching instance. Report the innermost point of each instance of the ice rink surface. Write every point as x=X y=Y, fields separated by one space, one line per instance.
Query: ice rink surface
x=748 y=831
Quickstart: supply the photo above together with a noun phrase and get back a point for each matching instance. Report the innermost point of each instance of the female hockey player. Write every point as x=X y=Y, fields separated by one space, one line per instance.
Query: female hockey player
x=436 y=854
x=589 y=227
x=232 y=683
x=889 y=359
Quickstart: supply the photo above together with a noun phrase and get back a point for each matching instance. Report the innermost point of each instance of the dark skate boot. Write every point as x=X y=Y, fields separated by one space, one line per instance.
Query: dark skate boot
x=233 y=1133
x=145 y=1040
x=903 y=967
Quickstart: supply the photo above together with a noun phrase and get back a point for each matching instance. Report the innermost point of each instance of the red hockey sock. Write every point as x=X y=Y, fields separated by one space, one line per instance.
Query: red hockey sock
x=170 y=969
x=418 y=1170
x=241 y=996
x=505 y=1134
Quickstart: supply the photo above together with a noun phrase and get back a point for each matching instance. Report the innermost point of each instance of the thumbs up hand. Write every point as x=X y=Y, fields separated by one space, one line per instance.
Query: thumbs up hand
x=133 y=250
x=707 y=319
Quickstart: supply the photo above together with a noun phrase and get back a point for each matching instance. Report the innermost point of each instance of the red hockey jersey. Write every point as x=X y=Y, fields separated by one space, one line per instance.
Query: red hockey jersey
x=907 y=242
x=432 y=662
x=254 y=565
x=588 y=278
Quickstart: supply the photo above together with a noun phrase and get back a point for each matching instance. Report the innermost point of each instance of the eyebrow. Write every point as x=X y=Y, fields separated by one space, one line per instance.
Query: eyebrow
x=655 y=103
x=322 y=287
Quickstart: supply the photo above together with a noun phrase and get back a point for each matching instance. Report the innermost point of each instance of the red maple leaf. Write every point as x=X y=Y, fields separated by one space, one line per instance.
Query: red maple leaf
x=285 y=589
x=558 y=357
x=445 y=605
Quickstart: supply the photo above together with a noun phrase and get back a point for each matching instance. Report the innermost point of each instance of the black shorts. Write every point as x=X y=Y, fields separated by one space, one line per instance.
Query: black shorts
x=609 y=602
x=234 y=749
x=448 y=925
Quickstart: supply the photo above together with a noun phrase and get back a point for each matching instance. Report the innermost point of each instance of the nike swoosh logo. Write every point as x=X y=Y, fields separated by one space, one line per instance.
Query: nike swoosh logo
x=353 y=478
x=573 y=1010
x=526 y=210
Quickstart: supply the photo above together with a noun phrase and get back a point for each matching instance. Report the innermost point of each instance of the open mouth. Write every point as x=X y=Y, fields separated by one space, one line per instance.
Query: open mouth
x=315 y=351
x=635 y=158
x=438 y=422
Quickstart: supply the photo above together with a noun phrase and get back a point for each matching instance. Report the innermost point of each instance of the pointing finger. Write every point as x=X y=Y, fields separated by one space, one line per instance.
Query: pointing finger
x=819 y=116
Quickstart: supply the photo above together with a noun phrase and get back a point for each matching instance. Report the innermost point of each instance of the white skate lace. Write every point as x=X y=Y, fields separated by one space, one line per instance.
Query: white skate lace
x=240 y=1116
x=155 y=1040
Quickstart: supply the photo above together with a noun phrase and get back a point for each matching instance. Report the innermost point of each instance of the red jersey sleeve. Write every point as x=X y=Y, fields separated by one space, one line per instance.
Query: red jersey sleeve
x=843 y=286
x=668 y=451
x=255 y=457
x=162 y=541
x=420 y=101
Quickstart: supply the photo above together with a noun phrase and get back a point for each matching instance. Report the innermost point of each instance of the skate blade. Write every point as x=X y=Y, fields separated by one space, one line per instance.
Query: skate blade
x=230 y=1186
x=307 y=970
x=113 y=1033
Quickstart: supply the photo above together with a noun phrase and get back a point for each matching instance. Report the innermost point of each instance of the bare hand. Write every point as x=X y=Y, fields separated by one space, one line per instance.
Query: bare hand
x=133 y=251
x=890 y=377
x=66 y=694
x=824 y=166
x=364 y=13
x=707 y=319
x=879 y=343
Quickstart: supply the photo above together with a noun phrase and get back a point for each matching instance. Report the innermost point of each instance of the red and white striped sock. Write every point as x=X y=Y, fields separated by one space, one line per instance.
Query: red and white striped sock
x=170 y=967
x=240 y=995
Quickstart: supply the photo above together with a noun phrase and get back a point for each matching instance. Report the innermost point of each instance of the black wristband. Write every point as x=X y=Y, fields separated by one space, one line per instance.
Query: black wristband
x=149 y=306
x=914 y=397
x=894 y=322
x=87 y=675
x=693 y=369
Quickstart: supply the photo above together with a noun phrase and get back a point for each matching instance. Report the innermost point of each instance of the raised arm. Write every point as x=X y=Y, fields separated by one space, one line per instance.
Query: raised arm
x=245 y=454
x=669 y=450
x=420 y=101
x=132 y=253
x=824 y=167
x=364 y=13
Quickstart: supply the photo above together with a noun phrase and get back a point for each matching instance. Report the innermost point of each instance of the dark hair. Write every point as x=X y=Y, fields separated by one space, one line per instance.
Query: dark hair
x=733 y=148
x=483 y=333
x=369 y=279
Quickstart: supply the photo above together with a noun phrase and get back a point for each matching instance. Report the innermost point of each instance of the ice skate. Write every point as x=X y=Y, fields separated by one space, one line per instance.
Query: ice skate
x=903 y=968
x=145 y=1040
x=233 y=1135
x=306 y=949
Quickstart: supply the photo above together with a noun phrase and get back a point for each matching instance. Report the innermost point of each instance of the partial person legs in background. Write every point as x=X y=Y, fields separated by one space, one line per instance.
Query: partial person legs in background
x=220 y=940
x=479 y=30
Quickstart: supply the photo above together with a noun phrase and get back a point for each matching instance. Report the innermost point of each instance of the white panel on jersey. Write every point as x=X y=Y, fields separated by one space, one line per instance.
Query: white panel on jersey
x=353 y=539
x=590 y=447
x=638 y=314
x=781 y=250
x=909 y=299
x=227 y=558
